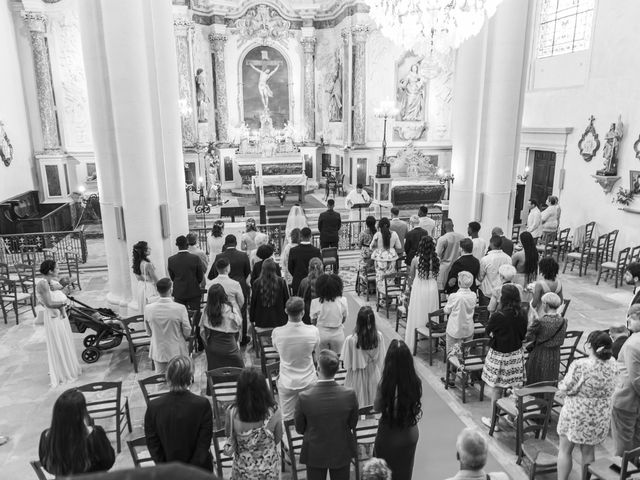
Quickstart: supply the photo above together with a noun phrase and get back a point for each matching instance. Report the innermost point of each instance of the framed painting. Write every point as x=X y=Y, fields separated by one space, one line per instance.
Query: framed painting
x=634 y=181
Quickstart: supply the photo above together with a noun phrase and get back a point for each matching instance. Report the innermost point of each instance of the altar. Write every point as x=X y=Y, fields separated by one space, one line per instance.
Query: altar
x=260 y=183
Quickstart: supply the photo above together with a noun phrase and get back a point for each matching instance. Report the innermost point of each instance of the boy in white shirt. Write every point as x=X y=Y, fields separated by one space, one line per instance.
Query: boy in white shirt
x=460 y=307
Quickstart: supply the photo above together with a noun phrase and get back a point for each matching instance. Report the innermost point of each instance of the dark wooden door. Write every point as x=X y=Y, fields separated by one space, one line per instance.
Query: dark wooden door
x=544 y=167
x=519 y=205
x=361 y=176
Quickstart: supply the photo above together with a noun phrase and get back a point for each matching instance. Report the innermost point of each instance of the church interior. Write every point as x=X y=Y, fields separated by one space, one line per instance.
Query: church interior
x=124 y=121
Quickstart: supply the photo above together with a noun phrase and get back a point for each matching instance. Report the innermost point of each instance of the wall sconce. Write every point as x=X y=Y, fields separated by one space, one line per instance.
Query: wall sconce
x=523 y=178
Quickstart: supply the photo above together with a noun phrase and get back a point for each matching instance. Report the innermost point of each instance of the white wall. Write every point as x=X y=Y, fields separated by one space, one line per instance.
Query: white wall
x=19 y=176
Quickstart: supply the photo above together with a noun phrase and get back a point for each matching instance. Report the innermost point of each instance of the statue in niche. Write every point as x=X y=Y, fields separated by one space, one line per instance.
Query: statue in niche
x=263 y=86
x=335 y=92
x=411 y=91
x=201 y=96
x=610 y=150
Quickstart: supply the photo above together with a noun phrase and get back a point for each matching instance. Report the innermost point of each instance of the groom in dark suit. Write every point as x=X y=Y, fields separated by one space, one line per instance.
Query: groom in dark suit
x=326 y=414
x=299 y=258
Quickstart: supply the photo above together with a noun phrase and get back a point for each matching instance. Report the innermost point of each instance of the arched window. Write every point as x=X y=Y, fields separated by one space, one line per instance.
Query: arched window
x=565 y=27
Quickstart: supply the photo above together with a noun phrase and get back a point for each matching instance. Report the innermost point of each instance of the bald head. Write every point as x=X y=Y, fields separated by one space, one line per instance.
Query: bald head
x=472 y=449
x=497 y=232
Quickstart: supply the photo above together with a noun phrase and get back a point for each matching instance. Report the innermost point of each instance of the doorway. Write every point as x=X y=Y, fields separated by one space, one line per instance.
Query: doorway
x=361 y=175
x=544 y=167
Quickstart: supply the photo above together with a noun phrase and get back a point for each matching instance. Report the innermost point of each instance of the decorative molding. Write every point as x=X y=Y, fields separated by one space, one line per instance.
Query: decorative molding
x=308 y=44
x=636 y=148
x=183 y=25
x=262 y=23
x=606 y=182
x=589 y=143
x=217 y=42
x=215 y=39
x=410 y=130
x=36 y=21
x=360 y=33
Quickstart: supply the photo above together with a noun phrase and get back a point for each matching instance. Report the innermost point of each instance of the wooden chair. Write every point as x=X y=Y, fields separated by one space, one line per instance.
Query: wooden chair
x=634 y=256
x=365 y=434
x=160 y=380
x=434 y=330
x=365 y=279
x=617 y=268
x=586 y=254
x=515 y=233
x=401 y=316
x=11 y=296
x=74 y=269
x=104 y=401
x=588 y=230
x=565 y=306
x=480 y=321
x=40 y=471
x=471 y=361
x=568 y=350
x=5 y=271
x=602 y=468
x=222 y=385
x=140 y=452
x=268 y=353
x=221 y=460
x=330 y=259
x=394 y=285
x=442 y=298
x=136 y=338
x=558 y=246
x=534 y=407
x=598 y=253
x=293 y=448
x=340 y=376
x=273 y=372
x=612 y=237
x=27 y=278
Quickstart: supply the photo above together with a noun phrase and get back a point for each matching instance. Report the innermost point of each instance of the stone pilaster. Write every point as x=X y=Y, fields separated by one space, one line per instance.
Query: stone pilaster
x=359 y=33
x=346 y=84
x=37 y=24
x=309 y=49
x=183 y=32
x=218 y=42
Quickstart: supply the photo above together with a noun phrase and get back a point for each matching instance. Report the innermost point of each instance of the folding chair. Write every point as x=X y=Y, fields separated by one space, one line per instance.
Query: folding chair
x=471 y=361
x=222 y=384
x=434 y=330
x=140 y=452
x=159 y=380
x=137 y=339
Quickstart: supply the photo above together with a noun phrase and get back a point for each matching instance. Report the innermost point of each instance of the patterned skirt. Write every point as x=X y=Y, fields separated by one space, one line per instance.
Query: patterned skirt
x=504 y=369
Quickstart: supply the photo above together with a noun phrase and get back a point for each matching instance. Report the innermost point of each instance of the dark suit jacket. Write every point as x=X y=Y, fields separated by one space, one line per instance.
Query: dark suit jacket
x=299 y=262
x=326 y=415
x=186 y=273
x=466 y=263
x=507 y=246
x=179 y=427
x=627 y=394
x=329 y=224
x=411 y=241
x=240 y=267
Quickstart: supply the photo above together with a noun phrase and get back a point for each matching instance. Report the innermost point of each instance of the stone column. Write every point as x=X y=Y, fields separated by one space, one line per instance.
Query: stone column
x=346 y=87
x=37 y=24
x=218 y=42
x=359 y=83
x=309 y=48
x=183 y=30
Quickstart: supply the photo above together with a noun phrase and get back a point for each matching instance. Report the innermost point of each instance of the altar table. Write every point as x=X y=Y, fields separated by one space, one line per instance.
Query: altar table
x=269 y=182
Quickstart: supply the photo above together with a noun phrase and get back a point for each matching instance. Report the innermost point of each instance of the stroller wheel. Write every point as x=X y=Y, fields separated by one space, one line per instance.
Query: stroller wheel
x=89 y=340
x=90 y=355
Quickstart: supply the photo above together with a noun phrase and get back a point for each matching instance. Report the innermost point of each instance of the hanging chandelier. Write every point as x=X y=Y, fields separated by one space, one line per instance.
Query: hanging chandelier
x=432 y=28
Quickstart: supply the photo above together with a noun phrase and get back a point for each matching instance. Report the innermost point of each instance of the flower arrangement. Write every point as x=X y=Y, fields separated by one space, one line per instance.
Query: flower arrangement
x=623 y=197
x=281 y=192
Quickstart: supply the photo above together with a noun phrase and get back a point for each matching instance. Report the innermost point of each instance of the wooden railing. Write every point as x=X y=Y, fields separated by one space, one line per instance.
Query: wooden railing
x=35 y=247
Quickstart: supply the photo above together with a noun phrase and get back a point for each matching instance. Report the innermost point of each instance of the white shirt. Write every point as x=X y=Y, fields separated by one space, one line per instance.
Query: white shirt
x=479 y=247
x=429 y=224
x=534 y=222
x=354 y=198
x=295 y=342
x=460 y=308
x=329 y=314
x=489 y=265
x=168 y=325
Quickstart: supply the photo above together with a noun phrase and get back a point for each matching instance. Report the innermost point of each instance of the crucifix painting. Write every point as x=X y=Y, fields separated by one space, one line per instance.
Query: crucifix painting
x=265 y=87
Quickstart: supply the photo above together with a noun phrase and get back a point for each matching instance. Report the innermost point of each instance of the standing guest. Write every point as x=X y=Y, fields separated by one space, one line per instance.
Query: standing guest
x=72 y=444
x=329 y=223
x=398 y=226
x=547 y=282
x=489 y=266
x=471 y=452
x=263 y=253
x=448 y=250
x=507 y=273
x=460 y=307
x=412 y=238
x=504 y=364
x=254 y=429
x=299 y=257
x=326 y=416
x=426 y=223
x=625 y=425
x=231 y=287
x=507 y=245
x=534 y=220
x=248 y=238
x=307 y=289
x=261 y=239
x=329 y=312
x=356 y=197
x=376 y=469
x=295 y=342
x=192 y=238
x=550 y=218
x=479 y=244
x=167 y=323
x=399 y=400
x=526 y=260
x=424 y=297
x=546 y=336
x=296 y=219
x=215 y=241
x=221 y=324
x=465 y=263
x=145 y=273
x=364 y=242
x=294 y=241
x=586 y=414
x=61 y=353
x=363 y=357
x=619 y=335
x=632 y=277
x=269 y=294
x=179 y=424
x=384 y=246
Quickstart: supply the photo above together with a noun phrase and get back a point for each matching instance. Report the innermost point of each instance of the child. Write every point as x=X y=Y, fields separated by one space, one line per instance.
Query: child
x=460 y=307
x=619 y=335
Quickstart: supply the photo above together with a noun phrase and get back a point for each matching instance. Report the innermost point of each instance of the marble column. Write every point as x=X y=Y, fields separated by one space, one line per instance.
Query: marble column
x=183 y=30
x=218 y=42
x=346 y=86
x=309 y=48
x=359 y=33
x=37 y=24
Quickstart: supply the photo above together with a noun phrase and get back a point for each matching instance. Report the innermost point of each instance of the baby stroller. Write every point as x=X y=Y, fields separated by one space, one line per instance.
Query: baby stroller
x=103 y=321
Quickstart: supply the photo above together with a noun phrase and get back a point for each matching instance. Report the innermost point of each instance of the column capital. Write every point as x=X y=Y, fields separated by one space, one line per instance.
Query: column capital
x=360 y=32
x=183 y=25
x=217 y=38
x=308 y=44
x=36 y=21
x=345 y=34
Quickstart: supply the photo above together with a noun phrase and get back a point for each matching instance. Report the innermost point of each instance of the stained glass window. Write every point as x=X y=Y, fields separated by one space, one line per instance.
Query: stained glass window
x=565 y=26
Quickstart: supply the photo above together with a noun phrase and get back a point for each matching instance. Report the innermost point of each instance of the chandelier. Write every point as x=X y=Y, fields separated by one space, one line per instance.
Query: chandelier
x=432 y=28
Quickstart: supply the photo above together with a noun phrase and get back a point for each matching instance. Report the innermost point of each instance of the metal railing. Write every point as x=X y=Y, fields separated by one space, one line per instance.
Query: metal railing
x=17 y=248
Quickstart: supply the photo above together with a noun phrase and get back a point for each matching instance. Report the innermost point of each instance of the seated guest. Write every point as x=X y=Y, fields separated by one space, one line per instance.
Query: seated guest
x=507 y=244
x=294 y=241
x=167 y=323
x=295 y=342
x=479 y=244
x=412 y=238
x=465 y=263
x=232 y=288
x=307 y=289
x=329 y=312
x=398 y=226
x=460 y=307
x=262 y=253
x=619 y=334
x=489 y=265
x=471 y=452
x=326 y=415
x=178 y=425
x=547 y=282
x=254 y=429
x=299 y=258
x=376 y=469
x=71 y=445
x=507 y=274
x=268 y=298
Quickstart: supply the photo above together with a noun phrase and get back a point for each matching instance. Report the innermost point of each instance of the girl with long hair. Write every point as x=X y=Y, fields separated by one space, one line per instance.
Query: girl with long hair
x=219 y=332
x=363 y=357
x=525 y=261
x=248 y=238
x=215 y=241
x=548 y=281
x=329 y=312
x=307 y=289
x=145 y=273
x=398 y=399
x=364 y=242
x=269 y=294
x=385 y=246
x=254 y=429
x=71 y=445
x=422 y=286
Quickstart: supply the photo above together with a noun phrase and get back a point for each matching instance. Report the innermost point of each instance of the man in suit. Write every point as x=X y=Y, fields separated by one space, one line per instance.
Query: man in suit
x=507 y=244
x=231 y=287
x=329 y=224
x=412 y=239
x=299 y=258
x=465 y=263
x=178 y=425
x=625 y=416
x=167 y=323
x=239 y=270
x=326 y=415
x=192 y=239
x=632 y=277
x=398 y=226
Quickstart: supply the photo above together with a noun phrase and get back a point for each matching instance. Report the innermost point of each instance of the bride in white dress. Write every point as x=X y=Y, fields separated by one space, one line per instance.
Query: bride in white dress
x=296 y=219
x=145 y=272
x=423 y=275
x=63 y=359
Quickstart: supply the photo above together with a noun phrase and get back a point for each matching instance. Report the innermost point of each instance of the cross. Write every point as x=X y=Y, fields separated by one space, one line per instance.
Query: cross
x=264 y=61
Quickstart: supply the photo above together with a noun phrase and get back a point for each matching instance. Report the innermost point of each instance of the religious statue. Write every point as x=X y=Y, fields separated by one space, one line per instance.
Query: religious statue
x=201 y=96
x=411 y=95
x=335 y=92
x=610 y=150
x=263 y=87
x=213 y=178
x=6 y=150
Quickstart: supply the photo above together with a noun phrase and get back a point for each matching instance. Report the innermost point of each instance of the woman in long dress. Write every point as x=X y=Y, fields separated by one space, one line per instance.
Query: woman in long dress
x=385 y=246
x=547 y=282
x=145 y=273
x=423 y=296
x=526 y=262
x=247 y=239
x=295 y=219
x=215 y=241
x=329 y=312
x=294 y=241
x=307 y=288
x=61 y=354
